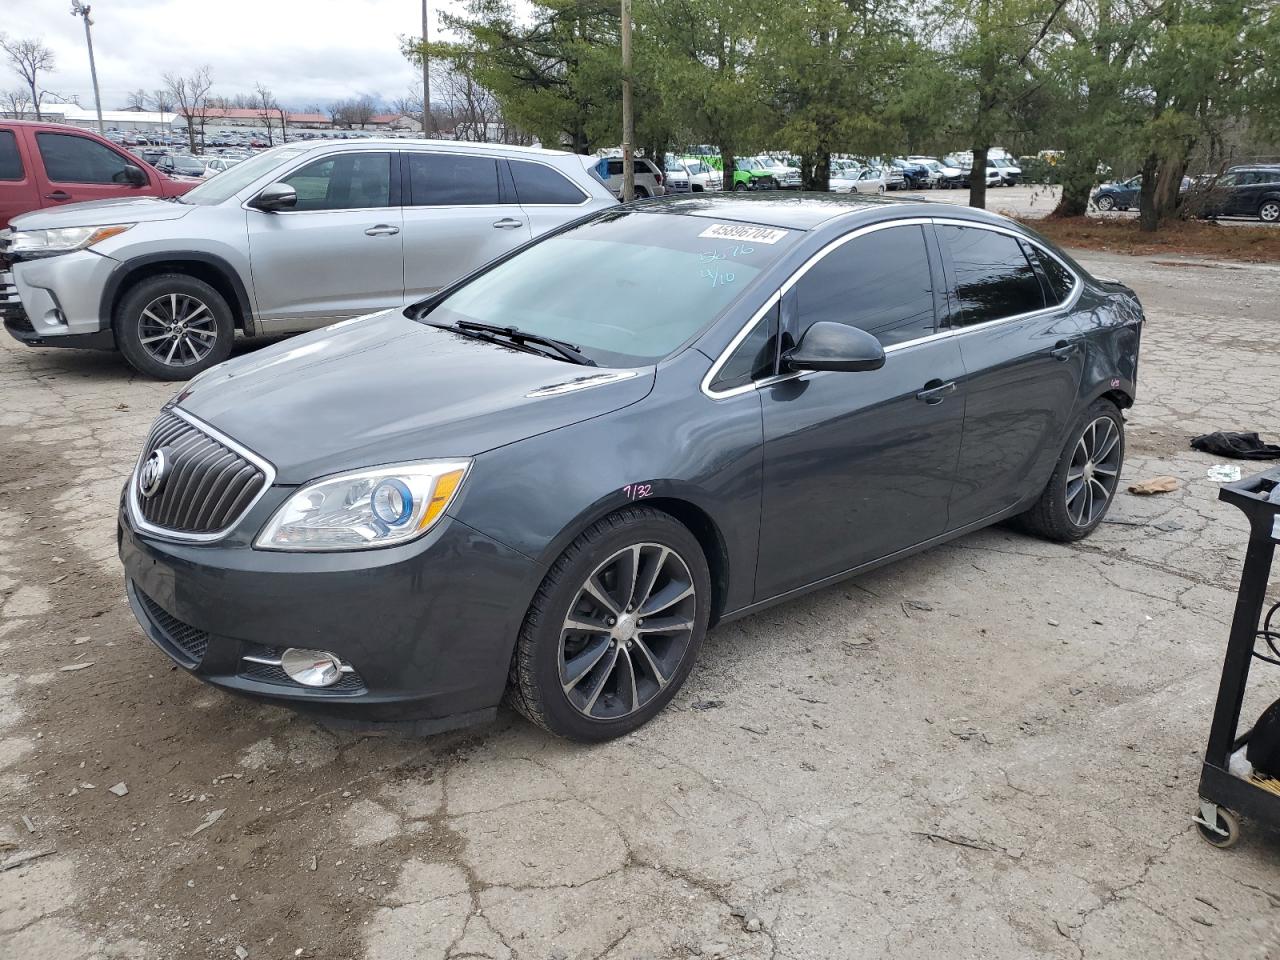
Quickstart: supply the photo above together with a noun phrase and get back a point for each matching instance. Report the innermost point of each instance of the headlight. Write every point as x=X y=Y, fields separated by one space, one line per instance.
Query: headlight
x=368 y=508
x=47 y=243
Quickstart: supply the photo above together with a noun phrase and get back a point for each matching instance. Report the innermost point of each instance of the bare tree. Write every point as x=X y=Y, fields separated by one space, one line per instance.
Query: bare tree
x=352 y=113
x=16 y=102
x=29 y=58
x=136 y=99
x=265 y=104
x=190 y=95
x=161 y=100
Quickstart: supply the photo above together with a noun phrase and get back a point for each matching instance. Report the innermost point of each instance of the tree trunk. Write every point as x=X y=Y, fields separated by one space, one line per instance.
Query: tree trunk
x=1167 y=186
x=1077 y=184
x=35 y=101
x=815 y=171
x=1148 y=214
x=191 y=134
x=978 y=178
x=727 y=161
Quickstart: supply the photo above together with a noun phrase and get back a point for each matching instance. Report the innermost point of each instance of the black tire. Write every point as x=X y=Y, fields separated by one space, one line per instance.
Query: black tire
x=1050 y=517
x=1228 y=823
x=642 y=193
x=1106 y=203
x=739 y=185
x=535 y=687
x=199 y=350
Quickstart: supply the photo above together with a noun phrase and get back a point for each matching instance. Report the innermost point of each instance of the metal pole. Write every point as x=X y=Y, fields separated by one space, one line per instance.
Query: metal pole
x=628 y=119
x=428 y=124
x=80 y=10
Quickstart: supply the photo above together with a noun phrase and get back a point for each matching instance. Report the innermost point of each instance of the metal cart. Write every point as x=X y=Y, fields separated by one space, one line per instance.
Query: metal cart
x=1225 y=797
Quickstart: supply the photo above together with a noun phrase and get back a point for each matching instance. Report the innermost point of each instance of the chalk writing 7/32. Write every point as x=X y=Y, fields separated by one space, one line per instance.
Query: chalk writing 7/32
x=637 y=491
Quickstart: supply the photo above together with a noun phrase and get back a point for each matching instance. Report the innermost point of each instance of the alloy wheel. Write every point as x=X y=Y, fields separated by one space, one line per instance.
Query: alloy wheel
x=627 y=631
x=1269 y=211
x=1094 y=472
x=177 y=329
x=1105 y=203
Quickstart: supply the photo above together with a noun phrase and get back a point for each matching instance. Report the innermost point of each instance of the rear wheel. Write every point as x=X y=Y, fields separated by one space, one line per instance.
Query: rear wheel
x=1269 y=212
x=173 y=326
x=1085 y=480
x=641 y=193
x=614 y=629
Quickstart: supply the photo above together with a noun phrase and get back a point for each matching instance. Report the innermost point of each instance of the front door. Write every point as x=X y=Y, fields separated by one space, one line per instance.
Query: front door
x=78 y=168
x=337 y=254
x=858 y=466
x=458 y=215
x=1024 y=355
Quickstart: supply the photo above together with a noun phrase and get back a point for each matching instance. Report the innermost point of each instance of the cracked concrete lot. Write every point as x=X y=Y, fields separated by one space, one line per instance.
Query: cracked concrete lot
x=987 y=751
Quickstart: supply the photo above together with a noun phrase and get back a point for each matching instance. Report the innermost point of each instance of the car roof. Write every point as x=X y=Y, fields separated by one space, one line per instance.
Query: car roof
x=384 y=143
x=806 y=211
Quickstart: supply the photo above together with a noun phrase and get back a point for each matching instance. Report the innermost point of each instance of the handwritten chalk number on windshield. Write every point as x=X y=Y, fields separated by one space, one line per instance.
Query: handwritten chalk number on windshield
x=717 y=277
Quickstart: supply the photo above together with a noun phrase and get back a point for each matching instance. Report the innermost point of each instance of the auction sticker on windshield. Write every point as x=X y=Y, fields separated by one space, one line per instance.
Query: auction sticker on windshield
x=743 y=231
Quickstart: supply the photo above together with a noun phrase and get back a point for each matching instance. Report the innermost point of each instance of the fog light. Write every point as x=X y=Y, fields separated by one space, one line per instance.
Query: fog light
x=311 y=668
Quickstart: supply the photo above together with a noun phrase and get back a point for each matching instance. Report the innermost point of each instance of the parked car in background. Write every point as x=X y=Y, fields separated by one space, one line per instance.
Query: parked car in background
x=395 y=518
x=216 y=165
x=703 y=177
x=1008 y=171
x=181 y=164
x=787 y=176
x=1245 y=191
x=675 y=177
x=295 y=238
x=648 y=178
x=944 y=175
x=917 y=176
x=752 y=174
x=1120 y=195
x=856 y=179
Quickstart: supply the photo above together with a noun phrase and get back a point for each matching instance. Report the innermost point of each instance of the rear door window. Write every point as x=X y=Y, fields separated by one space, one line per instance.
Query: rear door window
x=879 y=282
x=536 y=183
x=10 y=161
x=991 y=275
x=1060 y=279
x=73 y=159
x=452 y=180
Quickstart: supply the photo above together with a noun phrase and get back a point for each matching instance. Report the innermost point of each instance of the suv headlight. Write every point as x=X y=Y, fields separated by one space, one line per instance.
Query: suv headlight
x=48 y=243
x=379 y=507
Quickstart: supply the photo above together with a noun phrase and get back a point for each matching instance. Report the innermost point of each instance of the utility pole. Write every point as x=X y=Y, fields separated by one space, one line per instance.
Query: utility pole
x=79 y=9
x=628 y=118
x=428 y=123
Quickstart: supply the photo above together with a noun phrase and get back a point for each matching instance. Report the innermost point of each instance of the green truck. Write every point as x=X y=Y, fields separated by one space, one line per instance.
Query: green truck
x=748 y=174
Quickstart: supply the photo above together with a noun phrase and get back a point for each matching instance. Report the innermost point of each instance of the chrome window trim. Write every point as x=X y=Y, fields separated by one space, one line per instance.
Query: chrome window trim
x=135 y=511
x=1066 y=303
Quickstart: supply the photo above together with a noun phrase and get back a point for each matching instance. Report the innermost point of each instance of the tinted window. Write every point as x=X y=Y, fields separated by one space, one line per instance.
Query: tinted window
x=451 y=179
x=615 y=168
x=879 y=282
x=1061 y=280
x=71 y=159
x=10 y=162
x=992 y=276
x=537 y=183
x=349 y=181
x=754 y=357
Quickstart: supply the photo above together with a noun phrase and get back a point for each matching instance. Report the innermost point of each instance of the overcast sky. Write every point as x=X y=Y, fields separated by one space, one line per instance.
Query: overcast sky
x=311 y=52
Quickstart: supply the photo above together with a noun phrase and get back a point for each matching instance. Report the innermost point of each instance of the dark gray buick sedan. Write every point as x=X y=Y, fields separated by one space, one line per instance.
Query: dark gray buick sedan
x=548 y=480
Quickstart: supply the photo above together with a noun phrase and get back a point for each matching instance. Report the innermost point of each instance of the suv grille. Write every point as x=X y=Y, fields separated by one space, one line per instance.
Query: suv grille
x=207 y=486
x=191 y=641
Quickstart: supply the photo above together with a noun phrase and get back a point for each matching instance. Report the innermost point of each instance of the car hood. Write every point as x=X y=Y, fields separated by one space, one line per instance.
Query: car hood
x=96 y=212
x=384 y=388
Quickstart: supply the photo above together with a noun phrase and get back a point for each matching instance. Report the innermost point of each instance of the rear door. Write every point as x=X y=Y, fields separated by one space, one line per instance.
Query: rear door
x=74 y=168
x=459 y=214
x=547 y=197
x=18 y=190
x=1244 y=197
x=337 y=254
x=1023 y=351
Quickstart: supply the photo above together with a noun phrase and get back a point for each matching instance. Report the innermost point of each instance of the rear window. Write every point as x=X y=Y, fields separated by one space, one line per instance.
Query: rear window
x=10 y=162
x=627 y=287
x=452 y=180
x=537 y=183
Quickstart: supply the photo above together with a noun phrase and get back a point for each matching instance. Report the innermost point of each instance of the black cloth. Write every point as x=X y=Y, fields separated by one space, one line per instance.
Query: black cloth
x=1238 y=446
x=1263 y=750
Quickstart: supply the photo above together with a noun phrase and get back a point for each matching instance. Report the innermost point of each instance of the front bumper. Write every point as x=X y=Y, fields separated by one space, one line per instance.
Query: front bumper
x=57 y=301
x=427 y=628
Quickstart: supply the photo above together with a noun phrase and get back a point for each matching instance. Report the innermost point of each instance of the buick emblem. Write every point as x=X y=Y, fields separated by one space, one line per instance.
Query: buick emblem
x=151 y=476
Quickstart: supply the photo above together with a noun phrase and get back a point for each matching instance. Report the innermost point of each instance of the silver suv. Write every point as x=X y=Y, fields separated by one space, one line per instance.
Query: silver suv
x=295 y=238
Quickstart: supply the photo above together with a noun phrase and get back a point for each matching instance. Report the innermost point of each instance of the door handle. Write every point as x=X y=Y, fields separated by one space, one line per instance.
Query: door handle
x=1063 y=350
x=58 y=195
x=935 y=391
x=507 y=223
x=382 y=230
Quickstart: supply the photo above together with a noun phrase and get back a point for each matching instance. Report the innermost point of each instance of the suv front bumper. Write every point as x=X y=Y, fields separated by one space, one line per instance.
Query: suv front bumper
x=57 y=301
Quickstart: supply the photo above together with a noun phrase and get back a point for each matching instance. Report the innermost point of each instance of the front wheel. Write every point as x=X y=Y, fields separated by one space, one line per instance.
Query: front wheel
x=614 y=628
x=1269 y=212
x=1085 y=480
x=173 y=326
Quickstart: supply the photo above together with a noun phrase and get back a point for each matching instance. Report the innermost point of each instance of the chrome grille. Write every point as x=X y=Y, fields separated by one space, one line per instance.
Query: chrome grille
x=208 y=485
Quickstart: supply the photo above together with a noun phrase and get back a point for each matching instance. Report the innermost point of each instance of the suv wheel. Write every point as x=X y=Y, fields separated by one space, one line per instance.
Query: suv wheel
x=173 y=326
x=1269 y=212
x=642 y=193
x=614 y=629
x=1105 y=203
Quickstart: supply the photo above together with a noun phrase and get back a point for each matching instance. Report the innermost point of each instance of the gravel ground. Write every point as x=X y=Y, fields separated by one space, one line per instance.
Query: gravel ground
x=988 y=751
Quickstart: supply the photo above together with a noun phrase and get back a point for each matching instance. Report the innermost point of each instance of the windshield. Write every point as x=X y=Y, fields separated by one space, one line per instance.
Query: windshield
x=240 y=176
x=749 y=164
x=626 y=287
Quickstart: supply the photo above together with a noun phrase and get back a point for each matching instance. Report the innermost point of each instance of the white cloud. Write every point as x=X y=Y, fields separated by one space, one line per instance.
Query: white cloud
x=306 y=51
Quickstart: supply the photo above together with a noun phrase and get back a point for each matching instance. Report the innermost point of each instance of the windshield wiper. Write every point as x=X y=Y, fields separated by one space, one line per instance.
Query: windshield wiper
x=566 y=351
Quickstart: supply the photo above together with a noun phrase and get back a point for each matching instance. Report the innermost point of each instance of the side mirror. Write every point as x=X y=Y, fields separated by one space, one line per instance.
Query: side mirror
x=277 y=196
x=134 y=176
x=828 y=345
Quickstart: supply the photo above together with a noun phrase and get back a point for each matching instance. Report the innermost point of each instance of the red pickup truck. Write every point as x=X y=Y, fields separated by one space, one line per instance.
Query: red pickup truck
x=50 y=164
